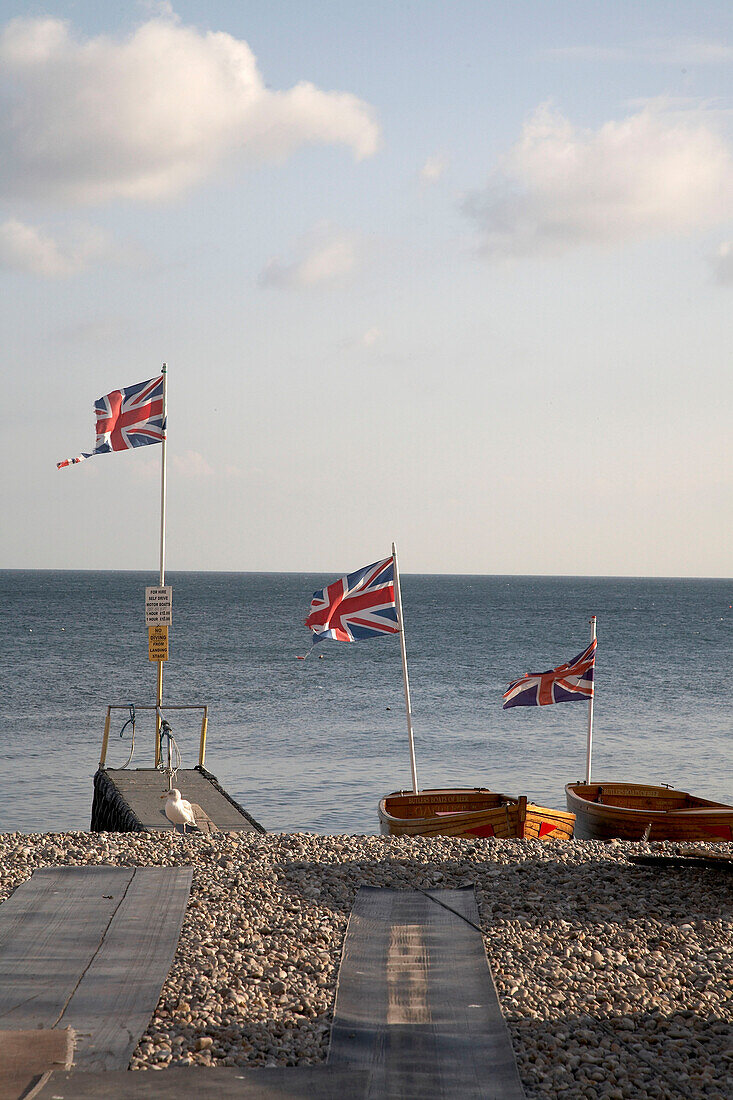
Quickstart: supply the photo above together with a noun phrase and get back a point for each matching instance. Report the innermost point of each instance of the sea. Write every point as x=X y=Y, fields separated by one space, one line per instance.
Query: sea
x=312 y=745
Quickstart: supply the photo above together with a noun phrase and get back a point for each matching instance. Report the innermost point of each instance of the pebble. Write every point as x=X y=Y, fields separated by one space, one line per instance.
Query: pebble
x=614 y=979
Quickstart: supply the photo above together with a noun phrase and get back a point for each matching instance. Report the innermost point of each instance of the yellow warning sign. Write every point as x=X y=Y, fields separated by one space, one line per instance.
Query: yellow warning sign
x=157 y=643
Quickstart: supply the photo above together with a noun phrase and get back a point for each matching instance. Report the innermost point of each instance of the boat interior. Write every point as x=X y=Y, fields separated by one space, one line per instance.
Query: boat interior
x=407 y=804
x=630 y=797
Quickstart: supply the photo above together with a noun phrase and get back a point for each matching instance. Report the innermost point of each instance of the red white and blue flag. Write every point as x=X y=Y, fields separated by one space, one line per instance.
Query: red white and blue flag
x=358 y=606
x=567 y=684
x=133 y=417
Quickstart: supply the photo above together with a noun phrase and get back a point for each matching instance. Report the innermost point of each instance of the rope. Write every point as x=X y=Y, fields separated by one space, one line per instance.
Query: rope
x=450 y=909
x=130 y=722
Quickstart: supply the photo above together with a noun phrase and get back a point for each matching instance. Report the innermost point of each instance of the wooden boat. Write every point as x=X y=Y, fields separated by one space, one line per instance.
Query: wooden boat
x=467 y=811
x=634 y=811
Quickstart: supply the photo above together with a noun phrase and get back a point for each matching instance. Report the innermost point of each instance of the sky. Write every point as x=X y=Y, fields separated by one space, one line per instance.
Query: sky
x=455 y=275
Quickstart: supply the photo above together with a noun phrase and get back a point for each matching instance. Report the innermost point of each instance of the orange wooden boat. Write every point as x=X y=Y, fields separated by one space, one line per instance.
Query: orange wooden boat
x=470 y=811
x=634 y=811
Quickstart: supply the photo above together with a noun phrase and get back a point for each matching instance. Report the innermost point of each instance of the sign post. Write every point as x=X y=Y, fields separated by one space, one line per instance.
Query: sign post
x=158 y=617
x=159 y=606
x=157 y=643
x=161 y=580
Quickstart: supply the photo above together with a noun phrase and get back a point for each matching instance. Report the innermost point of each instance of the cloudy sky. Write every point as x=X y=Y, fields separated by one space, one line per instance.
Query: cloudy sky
x=454 y=274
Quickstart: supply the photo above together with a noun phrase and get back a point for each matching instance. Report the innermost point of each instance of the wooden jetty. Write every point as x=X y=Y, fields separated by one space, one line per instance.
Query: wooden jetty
x=88 y=949
x=129 y=800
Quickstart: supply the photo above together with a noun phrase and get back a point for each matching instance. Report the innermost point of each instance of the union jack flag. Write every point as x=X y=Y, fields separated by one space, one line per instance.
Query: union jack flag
x=569 y=683
x=358 y=606
x=127 y=418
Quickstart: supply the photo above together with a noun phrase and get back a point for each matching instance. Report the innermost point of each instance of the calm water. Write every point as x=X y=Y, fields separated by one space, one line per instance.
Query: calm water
x=312 y=745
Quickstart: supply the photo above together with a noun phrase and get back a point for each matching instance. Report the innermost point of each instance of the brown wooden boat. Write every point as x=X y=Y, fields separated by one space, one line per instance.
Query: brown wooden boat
x=634 y=811
x=470 y=811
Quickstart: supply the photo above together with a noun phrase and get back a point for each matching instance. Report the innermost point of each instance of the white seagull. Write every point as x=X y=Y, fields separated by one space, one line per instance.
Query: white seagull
x=177 y=809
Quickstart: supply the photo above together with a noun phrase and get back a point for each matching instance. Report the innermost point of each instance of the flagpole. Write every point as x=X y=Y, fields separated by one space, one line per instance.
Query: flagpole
x=161 y=580
x=590 y=706
x=398 y=601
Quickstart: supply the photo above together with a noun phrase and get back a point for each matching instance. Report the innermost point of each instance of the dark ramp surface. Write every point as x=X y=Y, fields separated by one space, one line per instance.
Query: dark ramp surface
x=140 y=790
x=416 y=1004
x=297 y=1083
x=89 y=948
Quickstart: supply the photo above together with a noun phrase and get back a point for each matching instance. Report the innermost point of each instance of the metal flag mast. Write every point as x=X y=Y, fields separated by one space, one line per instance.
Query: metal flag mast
x=398 y=601
x=590 y=704
x=161 y=581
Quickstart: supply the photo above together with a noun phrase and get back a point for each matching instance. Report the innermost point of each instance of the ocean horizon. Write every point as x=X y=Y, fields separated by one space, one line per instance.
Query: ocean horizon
x=312 y=745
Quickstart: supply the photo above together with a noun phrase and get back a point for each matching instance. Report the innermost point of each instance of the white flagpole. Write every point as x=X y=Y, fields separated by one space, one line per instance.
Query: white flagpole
x=159 y=690
x=162 y=477
x=398 y=601
x=590 y=706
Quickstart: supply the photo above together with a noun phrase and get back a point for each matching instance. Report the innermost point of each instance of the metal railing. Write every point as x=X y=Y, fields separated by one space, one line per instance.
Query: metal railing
x=159 y=711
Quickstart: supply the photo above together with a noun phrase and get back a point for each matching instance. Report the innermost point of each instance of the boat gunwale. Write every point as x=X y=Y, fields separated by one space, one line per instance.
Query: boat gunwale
x=506 y=802
x=384 y=814
x=607 y=809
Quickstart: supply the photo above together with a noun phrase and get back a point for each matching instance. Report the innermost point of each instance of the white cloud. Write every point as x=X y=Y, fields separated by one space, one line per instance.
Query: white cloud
x=162 y=8
x=96 y=330
x=30 y=249
x=320 y=261
x=654 y=172
x=144 y=117
x=662 y=51
x=433 y=168
x=722 y=263
x=192 y=464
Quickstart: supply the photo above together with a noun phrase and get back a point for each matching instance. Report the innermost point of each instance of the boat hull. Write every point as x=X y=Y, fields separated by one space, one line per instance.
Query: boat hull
x=636 y=811
x=470 y=812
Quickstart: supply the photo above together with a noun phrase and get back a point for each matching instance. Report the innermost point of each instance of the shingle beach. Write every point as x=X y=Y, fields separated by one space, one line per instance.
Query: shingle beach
x=615 y=979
